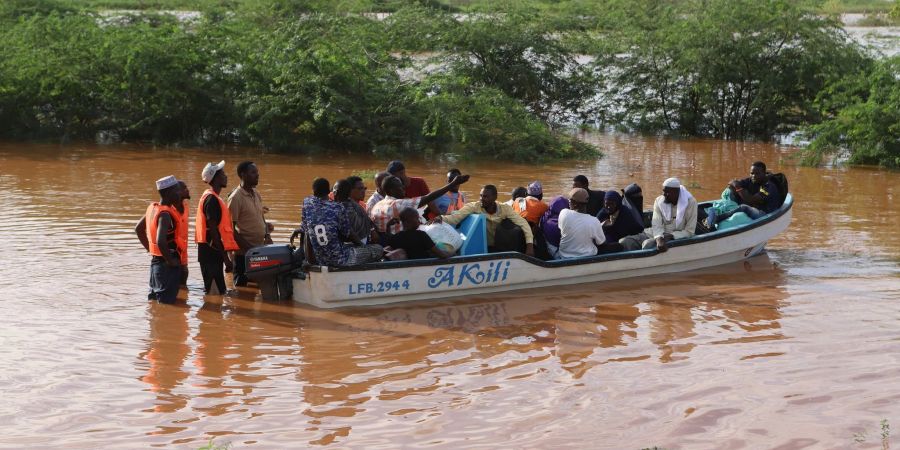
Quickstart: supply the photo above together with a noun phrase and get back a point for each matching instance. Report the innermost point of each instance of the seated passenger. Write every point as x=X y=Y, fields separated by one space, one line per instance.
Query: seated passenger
x=581 y=233
x=755 y=195
x=453 y=200
x=326 y=226
x=595 y=201
x=616 y=222
x=494 y=213
x=414 y=242
x=379 y=194
x=394 y=202
x=360 y=223
x=532 y=207
x=674 y=217
x=550 y=225
x=517 y=193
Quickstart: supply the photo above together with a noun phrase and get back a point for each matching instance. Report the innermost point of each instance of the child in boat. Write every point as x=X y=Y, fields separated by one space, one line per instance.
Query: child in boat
x=414 y=242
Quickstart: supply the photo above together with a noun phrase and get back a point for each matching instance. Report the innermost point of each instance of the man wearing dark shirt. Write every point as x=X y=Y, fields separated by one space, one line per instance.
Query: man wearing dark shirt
x=415 y=242
x=757 y=195
x=595 y=198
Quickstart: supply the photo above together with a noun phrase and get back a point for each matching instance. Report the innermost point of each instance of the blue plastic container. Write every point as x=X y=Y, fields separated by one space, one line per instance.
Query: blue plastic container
x=474 y=231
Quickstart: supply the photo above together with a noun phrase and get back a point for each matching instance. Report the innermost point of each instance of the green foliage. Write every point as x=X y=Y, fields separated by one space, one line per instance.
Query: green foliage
x=470 y=119
x=306 y=81
x=731 y=69
x=517 y=54
x=862 y=117
x=214 y=446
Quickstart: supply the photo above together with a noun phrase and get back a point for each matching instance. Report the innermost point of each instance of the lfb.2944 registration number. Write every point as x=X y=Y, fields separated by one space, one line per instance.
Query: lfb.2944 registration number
x=381 y=286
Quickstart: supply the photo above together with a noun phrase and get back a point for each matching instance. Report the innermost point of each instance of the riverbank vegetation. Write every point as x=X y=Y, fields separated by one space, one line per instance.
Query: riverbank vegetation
x=312 y=75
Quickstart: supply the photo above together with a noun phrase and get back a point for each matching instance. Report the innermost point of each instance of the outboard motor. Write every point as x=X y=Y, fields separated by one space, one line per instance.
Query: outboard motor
x=273 y=267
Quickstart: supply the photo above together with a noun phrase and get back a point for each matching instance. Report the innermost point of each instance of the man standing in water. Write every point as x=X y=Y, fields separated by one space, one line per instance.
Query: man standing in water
x=213 y=230
x=247 y=212
x=158 y=232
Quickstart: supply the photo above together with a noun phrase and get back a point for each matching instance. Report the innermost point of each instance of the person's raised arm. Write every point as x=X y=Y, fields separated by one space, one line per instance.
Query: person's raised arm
x=457 y=180
x=458 y=215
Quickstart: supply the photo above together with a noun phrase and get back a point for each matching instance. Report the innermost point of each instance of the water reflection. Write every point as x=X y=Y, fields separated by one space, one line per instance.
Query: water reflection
x=663 y=357
x=166 y=354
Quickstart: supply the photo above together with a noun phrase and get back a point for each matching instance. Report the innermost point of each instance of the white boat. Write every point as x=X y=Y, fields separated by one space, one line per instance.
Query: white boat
x=416 y=280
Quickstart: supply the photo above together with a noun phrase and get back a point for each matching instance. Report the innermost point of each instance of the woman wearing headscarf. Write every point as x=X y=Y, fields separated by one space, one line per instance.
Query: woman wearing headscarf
x=616 y=222
x=550 y=225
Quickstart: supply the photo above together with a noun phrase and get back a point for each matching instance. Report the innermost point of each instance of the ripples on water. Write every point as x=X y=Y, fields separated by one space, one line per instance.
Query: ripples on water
x=795 y=348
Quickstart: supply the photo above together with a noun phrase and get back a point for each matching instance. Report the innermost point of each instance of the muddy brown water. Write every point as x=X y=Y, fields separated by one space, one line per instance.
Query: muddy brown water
x=794 y=349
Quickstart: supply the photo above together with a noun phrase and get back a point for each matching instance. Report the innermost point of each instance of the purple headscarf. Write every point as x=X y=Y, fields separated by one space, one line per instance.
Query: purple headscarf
x=550 y=220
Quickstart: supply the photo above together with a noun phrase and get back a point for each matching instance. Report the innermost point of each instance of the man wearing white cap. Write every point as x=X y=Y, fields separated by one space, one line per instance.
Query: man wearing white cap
x=213 y=230
x=674 y=217
x=158 y=232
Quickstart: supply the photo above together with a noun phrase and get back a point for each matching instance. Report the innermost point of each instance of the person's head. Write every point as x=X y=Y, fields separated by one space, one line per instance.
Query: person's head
x=671 y=190
x=321 y=187
x=578 y=199
x=357 y=188
x=451 y=174
x=393 y=186
x=169 y=190
x=397 y=169
x=489 y=196
x=379 y=178
x=758 y=173
x=214 y=175
x=248 y=173
x=519 y=192
x=536 y=190
x=342 y=190
x=612 y=201
x=409 y=217
x=185 y=192
x=580 y=181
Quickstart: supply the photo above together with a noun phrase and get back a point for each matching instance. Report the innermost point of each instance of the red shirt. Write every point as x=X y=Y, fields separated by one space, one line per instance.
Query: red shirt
x=417 y=188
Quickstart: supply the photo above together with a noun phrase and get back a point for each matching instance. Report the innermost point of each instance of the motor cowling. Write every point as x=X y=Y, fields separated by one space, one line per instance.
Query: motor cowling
x=273 y=268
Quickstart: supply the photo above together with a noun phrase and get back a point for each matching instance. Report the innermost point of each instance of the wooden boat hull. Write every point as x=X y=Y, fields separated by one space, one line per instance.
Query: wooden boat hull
x=407 y=281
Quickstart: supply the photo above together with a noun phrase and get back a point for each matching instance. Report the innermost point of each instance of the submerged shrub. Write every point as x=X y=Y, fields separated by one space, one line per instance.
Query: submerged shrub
x=862 y=117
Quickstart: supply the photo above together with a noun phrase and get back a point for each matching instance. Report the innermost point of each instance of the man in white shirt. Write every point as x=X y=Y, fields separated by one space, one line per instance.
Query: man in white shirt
x=674 y=217
x=581 y=232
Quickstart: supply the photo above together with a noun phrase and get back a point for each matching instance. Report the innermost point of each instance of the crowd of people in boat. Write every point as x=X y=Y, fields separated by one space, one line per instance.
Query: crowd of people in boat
x=342 y=226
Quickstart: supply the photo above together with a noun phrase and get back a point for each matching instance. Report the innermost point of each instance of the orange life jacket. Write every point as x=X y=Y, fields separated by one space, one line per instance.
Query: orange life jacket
x=226 y=229
x=183 y=230
x=457 y=205
x=530 y=208
x=152 y=223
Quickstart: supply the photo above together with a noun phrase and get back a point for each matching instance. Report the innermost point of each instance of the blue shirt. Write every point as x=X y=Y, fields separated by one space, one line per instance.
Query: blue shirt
x=444 y=201
x=324 y=222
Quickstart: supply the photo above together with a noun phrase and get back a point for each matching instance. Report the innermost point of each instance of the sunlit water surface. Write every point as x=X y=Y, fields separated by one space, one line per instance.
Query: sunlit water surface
x=799 y=348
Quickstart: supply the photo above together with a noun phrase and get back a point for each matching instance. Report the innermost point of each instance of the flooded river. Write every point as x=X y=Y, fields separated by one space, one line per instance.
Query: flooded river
x=794 y=349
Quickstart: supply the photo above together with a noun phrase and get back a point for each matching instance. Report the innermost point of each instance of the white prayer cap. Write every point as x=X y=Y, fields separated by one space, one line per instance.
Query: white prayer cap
x=210 y=171
x=165 y=182
x=671 y=183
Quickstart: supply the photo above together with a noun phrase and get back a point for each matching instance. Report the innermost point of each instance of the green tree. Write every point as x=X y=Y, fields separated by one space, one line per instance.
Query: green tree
x=862 y=117
x=730 y=69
